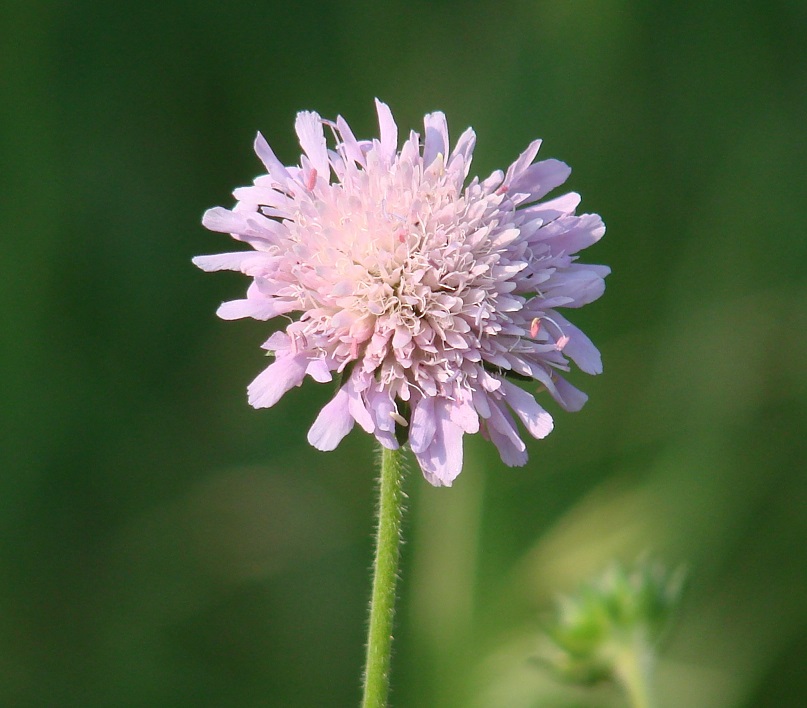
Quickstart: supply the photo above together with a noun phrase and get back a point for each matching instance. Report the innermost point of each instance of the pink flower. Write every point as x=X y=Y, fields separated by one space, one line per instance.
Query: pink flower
x=424 y=295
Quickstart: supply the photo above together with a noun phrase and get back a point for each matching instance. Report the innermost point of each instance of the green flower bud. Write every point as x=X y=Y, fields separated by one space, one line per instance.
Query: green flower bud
x=611 y=627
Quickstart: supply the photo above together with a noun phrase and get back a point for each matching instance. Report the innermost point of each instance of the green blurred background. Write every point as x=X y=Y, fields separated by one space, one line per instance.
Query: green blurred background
x=162 y=544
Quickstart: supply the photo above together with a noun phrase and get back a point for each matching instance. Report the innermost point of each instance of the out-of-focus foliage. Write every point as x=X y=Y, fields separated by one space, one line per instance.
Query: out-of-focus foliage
x=611 y=624
x=161 y=544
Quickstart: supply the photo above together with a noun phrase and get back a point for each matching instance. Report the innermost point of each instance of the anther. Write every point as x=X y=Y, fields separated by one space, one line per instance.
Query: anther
x=311 y=180
x=399 y=419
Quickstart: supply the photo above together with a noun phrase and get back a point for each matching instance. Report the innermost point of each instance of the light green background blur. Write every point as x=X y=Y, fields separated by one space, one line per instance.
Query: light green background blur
x=163 y=545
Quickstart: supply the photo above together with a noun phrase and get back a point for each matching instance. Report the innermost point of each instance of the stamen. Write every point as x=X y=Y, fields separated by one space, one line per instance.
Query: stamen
x=416 y=387
x=297 y=339
x=535 y=327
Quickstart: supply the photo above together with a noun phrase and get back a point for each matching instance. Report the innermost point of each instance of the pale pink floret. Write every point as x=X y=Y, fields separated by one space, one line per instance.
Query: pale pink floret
x=424 y=293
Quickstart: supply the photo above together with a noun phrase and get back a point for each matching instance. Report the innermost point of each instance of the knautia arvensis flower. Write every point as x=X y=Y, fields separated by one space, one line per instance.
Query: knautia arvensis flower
x=426 y=296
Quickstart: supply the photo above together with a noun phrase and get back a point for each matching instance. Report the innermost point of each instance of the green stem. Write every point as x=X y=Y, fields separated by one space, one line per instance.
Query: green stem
x=634 y=668
x=382 y=603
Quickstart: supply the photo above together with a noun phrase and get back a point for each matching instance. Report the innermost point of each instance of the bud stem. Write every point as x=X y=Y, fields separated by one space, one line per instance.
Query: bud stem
x=634 y=667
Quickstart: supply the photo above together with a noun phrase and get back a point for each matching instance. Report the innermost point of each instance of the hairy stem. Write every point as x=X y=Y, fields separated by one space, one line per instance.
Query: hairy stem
x=382 y=603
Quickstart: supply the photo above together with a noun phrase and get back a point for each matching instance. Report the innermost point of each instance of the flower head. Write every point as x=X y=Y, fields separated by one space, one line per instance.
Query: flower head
x=426 y=295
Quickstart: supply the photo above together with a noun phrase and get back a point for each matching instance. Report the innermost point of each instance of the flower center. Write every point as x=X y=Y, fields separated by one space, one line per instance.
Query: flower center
x=403 y=271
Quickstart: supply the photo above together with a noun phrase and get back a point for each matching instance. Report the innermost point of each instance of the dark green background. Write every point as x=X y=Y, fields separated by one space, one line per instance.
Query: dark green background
x=162 y=544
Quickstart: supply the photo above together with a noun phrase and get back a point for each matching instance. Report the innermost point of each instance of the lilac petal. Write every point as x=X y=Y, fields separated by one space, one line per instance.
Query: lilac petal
x=265 y=198
x=451 y=435
x=248 y=226
x=522 y=163
x=423 y=425
x=465 y=147
x=580 y=349
x=381 y=408
x=511 y=454
x=318 y=370
x=308 y=126
x=279 y=377
x=387 y=439
x=427 y=472
x=441 y=462
x=481 y=403
x=541 y=178
x=488 y=382
x=276 y=342
x=435 y=137
x=552 y=209
x=570 y=398
x=410 y=150
x=356 y=404
x=580 y=283
x=501 y=421
x=537 y=421
x=268 y=287
x=338 y=165
x=247 y=262
x=273 y=166
x=351 y=145
x=402 y=337
x=583 y=231
x=332 y=424
x=223 y=220
x=388 y=130
x=464 y=415
x=492 y=181
x=258 y=309
x=500 y=428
